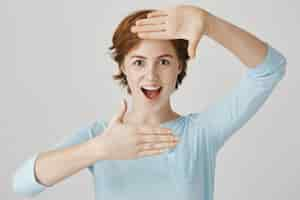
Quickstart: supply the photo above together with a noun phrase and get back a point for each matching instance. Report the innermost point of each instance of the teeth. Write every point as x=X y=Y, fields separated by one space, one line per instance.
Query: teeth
x=151 y=88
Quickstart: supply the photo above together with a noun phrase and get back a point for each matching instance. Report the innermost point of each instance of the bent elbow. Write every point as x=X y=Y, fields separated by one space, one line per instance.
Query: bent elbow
x=19 y=187
x=282 y=69
x=23 y=180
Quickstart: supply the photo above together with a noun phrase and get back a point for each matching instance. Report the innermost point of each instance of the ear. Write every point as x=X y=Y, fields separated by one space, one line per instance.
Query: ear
x=123 y=69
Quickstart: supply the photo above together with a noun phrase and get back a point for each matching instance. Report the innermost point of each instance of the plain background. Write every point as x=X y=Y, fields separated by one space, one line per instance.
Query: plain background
x=56 y=77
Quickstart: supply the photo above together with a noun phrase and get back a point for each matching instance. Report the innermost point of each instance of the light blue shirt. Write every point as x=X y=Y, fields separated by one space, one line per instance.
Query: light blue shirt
x=186 y=172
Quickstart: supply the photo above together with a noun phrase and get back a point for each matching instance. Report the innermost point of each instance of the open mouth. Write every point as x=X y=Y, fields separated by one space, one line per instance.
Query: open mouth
x=151 y=94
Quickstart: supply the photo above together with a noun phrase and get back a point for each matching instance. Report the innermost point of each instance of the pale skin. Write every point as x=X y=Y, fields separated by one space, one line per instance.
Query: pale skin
x=192 y=23
x=130 y=135
x=151 y=62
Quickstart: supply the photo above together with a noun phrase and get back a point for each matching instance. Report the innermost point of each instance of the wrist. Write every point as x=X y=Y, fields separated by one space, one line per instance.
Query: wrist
x=210 y=21
x=97 y=148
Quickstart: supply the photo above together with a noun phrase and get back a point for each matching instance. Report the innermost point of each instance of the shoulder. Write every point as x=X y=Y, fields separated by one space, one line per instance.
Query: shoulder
x=197 y=122
x=197 y=118
x=193 y=122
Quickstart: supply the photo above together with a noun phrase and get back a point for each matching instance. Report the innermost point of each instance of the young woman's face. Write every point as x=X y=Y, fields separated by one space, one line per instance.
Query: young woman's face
x=152 y=64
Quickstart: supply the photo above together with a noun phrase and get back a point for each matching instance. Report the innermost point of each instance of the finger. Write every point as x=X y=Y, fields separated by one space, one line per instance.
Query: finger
x=154 y=35
x=155 y=132
x=151 y=130
x=192 y=47
x=156 y=20
x=152 y=146
x=191 y=50
x=156 y=138
x=157 y=14
x=151 y=152
x=118 y=117
x=148 y=28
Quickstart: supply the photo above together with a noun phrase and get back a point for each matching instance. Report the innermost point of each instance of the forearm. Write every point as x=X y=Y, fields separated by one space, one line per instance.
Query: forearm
x=249 y=49
x=53 y=166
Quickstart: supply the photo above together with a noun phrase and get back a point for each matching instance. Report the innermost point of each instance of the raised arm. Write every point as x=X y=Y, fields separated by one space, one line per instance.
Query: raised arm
x=64 y=159
x=250 y=50
x=266 y=67
x=231 y=112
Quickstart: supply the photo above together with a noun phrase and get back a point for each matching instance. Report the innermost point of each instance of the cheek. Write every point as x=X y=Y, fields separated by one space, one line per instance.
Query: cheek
x=133 y=80
x=169 y=78
x=169 y=75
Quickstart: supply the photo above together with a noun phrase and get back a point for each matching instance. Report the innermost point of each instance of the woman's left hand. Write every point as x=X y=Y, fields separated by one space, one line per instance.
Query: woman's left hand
x=178 y=22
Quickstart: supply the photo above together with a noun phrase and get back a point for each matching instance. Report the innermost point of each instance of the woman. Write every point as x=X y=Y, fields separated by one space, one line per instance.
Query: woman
x=125 y=155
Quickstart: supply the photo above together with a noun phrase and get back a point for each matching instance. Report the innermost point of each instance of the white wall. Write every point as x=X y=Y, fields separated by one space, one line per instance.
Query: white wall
x=55 y=77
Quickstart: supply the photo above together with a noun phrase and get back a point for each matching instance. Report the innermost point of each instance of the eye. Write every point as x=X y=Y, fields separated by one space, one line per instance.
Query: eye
x=165 y=61
x=137 y=62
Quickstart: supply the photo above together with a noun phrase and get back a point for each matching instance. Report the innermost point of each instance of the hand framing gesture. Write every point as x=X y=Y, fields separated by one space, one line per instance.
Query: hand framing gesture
x=177 y=22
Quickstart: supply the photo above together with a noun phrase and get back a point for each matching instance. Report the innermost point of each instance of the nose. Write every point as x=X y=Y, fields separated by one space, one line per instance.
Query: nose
x=152 y=73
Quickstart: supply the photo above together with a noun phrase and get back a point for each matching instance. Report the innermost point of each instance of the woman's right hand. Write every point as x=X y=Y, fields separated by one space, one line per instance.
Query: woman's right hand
x=123 y=141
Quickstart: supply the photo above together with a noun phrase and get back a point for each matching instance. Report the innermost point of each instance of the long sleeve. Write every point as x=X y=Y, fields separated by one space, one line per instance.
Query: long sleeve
x=230 y=113
x=24 y=181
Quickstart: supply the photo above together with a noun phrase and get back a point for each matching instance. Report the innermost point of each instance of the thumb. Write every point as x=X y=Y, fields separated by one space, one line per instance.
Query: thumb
x=192 y=49
x=118 y=118
x=192 y=46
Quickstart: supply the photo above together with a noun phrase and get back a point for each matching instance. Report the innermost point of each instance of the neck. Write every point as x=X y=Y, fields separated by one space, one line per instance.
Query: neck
x=150 y=114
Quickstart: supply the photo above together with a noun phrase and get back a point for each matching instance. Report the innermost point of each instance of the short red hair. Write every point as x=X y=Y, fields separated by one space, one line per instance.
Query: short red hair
x=124 y=40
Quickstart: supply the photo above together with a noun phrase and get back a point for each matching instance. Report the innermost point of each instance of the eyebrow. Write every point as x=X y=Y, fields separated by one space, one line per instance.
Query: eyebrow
x=163 y=55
